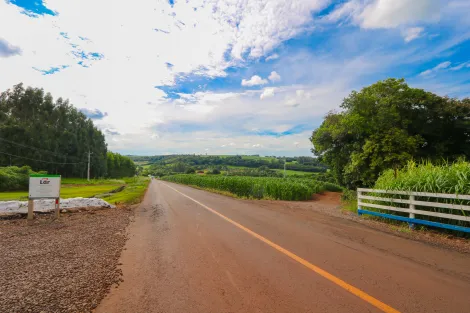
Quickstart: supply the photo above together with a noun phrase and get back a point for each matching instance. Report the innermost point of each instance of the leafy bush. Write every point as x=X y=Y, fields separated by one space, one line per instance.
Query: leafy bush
x=15 y=178
x=256 y=187
x=190 y=171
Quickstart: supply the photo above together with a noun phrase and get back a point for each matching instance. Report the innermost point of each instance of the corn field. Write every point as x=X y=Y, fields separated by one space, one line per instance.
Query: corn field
x=427 y=177
x=257 y=187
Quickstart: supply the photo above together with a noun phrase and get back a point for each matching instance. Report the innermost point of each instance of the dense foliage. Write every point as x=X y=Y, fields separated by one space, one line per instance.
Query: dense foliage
x=256 y=187
x=119 y=166
x=48 y=135
x=385 y=125
x=15 y=178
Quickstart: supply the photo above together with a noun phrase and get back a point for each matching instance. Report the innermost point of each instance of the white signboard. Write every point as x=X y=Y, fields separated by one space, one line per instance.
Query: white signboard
x=44 y=186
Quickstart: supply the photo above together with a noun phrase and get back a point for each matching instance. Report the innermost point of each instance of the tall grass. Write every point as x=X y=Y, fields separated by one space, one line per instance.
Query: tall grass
x=427 y=177
x=257 y=187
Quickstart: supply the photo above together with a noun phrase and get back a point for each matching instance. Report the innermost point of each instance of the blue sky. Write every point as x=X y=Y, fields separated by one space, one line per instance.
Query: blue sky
x=228 y=77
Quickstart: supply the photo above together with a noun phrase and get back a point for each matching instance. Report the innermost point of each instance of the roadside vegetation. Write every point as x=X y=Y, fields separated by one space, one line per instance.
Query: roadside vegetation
x=394 y=137
x=115 y=191
x=257 y=187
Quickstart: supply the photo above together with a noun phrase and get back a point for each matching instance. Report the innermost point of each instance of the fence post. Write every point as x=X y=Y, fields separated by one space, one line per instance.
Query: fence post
x=359 y=193
x=412 y=208
x=57 y=208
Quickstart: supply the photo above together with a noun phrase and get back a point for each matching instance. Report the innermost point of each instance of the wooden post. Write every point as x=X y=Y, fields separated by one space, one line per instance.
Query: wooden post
x=57 y=208
x=412 y=208
x=359 y=193
x=30 y=211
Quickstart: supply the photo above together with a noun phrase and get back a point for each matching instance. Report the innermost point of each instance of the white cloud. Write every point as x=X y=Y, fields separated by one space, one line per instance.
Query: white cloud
x=435 y=69
x=292 y=102
x=267 y=93
x=133 y=49
x=257 y=145
x=254 y=81
x=460 y=66
x=274 y=77
x=272 y=57
x=412 y=33
x=387 y=13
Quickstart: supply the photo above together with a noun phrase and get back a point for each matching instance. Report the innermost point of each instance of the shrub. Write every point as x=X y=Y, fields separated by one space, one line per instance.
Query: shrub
x=15 y=178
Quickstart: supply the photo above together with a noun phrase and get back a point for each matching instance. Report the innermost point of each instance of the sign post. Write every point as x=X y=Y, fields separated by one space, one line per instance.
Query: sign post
x=43 y=187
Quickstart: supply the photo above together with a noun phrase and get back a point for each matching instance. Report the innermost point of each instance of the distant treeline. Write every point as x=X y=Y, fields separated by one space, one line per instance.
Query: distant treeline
x=52 y=136
x=119 y=166
x=306 y=164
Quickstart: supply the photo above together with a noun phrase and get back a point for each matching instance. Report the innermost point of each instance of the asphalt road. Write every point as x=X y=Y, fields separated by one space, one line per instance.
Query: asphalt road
x=194 y=251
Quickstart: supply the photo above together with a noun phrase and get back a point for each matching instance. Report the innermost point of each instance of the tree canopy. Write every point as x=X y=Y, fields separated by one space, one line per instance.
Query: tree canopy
x=53 y=136
x=385 y=125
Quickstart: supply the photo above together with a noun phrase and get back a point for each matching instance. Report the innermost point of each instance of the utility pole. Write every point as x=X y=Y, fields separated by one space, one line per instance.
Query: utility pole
x=89 y=158
x=284 y=168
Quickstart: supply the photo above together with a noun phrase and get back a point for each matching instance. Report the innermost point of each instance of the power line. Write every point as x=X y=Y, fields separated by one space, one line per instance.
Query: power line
x=37 y=149
x=59 y=163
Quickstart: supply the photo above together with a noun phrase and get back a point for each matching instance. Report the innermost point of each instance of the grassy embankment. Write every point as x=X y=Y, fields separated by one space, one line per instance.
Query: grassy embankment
x=256 y=187
x=133 y=191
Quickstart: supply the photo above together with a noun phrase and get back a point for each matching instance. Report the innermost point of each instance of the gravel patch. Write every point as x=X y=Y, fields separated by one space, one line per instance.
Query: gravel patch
x=48 y=205
x=65 y=265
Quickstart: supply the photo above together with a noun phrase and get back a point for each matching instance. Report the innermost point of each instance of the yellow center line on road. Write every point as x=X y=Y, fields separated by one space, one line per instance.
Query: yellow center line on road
x=355 y=291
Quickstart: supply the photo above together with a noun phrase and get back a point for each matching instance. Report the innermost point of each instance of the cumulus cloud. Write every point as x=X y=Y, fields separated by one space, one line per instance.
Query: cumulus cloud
x=254 y=81
x=93 y=114
x=274 y=77
x=412 y=33
x=435 y=69
x=267 y=93
x=8 y=50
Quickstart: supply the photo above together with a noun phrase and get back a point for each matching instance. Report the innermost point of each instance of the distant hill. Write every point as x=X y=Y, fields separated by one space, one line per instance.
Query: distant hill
x=180 y=162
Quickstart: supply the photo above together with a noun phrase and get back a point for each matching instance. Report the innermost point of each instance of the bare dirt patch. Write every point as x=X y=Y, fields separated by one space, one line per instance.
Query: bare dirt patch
x=66 y=265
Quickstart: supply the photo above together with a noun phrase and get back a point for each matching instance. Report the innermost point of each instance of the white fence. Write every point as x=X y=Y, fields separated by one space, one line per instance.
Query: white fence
x=411 y=209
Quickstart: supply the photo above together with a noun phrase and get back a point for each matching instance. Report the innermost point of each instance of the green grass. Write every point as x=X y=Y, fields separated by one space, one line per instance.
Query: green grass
x=132 y=194
x=65 y=192
x=84 y=181
x=257 y=187
x=73 y=188
x=291 y=172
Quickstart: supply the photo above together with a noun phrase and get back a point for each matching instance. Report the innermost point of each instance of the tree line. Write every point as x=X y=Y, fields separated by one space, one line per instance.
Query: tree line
x=51 y=135
x=179 y=163
x=385 y=125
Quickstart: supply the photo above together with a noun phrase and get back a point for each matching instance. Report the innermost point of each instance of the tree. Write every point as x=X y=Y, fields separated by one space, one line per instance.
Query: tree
x=47 y=135
x=386 y=124
x=120 y=166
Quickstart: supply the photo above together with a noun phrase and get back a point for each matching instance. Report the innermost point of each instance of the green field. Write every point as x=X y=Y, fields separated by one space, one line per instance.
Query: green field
x=256 y=187
x=76 y=187
x=290 y=172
